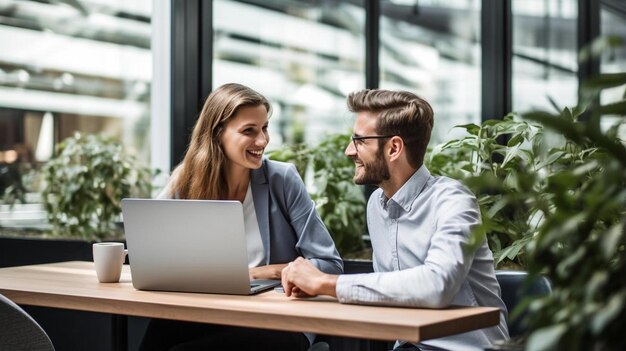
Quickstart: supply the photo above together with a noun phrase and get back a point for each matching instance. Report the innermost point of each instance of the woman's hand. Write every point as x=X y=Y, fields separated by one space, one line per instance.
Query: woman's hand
x=271 y=271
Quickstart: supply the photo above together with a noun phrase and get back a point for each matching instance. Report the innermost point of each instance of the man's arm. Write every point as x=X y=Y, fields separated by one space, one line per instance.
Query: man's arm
x=301 y=278
x=432 y=284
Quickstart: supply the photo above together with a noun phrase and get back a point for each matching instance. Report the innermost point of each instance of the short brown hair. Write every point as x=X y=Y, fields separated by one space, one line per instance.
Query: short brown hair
x=399 y=113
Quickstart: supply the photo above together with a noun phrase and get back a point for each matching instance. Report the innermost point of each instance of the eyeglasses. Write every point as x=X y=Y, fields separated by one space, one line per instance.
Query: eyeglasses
x=359 y=138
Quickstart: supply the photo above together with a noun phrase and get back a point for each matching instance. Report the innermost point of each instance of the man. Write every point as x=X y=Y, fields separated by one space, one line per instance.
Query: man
x=419 y=225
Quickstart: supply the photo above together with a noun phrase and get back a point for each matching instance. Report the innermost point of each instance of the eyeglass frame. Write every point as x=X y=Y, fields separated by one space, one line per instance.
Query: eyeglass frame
x=365 y=137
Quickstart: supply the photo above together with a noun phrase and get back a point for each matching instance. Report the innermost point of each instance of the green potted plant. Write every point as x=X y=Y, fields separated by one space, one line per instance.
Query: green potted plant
x=553 y=200
x=581 y=243
x=85 y=182
x=77 y=202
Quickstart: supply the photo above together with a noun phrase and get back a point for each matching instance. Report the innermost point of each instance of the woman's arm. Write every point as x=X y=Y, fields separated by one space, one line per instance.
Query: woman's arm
x=314 y=241
x=271 y=271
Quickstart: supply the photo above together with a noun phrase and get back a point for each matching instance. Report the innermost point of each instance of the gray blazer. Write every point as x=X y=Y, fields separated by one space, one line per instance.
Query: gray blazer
x=289 y=224
x=288 y=221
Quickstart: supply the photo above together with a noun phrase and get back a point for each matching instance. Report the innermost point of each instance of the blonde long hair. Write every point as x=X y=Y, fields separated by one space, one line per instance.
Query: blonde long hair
x=201 y=174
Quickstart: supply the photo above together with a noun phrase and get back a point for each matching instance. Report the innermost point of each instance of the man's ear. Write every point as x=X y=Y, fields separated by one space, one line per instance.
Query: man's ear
x=395 y=148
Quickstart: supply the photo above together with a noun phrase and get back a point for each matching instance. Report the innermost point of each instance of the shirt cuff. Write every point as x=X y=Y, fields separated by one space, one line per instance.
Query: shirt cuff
x=346 y=289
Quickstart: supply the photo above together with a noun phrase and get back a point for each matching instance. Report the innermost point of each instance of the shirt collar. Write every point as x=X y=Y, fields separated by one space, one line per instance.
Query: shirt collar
x=408 y=192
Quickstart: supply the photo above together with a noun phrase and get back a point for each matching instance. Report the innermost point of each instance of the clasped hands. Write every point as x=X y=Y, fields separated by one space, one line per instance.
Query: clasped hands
x=300 y=278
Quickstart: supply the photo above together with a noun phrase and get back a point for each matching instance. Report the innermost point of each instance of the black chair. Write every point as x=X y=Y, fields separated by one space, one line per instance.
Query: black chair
x=358 y=266
x=19 y=331
x=514 y=289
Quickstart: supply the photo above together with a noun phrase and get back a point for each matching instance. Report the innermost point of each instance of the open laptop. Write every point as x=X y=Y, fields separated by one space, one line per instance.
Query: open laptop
x=188 y=246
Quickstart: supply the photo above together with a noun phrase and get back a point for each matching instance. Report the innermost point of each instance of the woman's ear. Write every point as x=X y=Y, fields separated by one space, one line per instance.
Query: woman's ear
x=395 y=148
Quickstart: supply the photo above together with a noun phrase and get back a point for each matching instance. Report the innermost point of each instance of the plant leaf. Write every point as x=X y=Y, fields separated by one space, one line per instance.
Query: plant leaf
x=616 y=108
x=546 y=339
x=604 y=81
x=608 y=313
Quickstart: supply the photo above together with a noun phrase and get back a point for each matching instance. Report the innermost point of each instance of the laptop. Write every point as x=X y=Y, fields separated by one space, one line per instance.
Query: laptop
x=189 y=246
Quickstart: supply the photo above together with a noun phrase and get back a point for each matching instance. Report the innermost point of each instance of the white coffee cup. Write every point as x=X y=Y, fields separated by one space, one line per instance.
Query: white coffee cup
x=108 y=259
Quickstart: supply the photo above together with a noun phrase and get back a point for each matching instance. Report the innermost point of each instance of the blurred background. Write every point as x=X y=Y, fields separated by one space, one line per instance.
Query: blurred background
x=138 y=71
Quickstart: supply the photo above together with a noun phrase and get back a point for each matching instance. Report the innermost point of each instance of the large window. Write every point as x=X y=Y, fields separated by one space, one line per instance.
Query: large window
x=613 y=22
x=545 y=52
x=72 y=66
x=432 y=48
x=304 y=56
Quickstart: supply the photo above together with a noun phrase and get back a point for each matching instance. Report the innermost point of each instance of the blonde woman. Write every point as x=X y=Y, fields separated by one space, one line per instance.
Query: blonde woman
x=225 y=161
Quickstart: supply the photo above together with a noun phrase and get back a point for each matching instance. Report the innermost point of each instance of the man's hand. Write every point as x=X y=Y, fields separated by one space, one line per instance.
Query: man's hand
x=271 y=271
x=301 y=278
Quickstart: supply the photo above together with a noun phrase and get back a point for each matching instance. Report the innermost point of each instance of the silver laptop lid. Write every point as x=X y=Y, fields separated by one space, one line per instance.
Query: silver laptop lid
x=186 y=245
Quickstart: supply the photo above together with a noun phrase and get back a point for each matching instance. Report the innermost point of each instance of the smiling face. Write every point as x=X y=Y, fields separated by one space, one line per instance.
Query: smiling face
x=368 y=157
x=245 y=137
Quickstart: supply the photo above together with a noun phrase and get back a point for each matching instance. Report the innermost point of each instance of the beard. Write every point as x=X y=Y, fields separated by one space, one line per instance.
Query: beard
x=372 y=173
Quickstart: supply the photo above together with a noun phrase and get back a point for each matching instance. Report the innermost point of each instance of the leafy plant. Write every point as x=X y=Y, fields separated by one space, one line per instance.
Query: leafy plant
x=554 y=200
x=581 y=243
x=86 y=181
x=11 y=185
x=509 y=179
x=339 y=201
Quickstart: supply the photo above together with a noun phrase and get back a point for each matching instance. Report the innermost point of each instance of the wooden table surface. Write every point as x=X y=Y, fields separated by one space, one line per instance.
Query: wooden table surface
x=73 y=285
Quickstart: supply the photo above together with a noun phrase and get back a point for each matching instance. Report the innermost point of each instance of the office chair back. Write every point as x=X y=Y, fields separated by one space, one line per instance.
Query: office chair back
x=514 y=290
x=19 y=331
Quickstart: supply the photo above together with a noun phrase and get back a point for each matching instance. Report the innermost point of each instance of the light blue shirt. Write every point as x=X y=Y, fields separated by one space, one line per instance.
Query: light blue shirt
x=419 y=237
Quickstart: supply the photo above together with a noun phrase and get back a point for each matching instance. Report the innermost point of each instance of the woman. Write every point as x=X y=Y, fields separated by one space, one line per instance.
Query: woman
x=225 y=161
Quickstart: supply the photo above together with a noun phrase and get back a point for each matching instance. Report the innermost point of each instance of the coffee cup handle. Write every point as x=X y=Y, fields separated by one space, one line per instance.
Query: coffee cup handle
x=124 y=255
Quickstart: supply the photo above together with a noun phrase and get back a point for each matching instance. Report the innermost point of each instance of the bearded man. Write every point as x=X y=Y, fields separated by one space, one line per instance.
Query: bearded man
x=419 y=226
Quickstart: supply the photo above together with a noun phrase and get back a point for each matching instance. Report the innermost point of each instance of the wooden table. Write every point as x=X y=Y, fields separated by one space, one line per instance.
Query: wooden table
x=73 y=285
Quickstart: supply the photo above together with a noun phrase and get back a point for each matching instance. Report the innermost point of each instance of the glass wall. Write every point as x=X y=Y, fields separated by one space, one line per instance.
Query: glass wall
x=432 y=48
x=544 y=63
x=304 y=56
x=613 y=60
x=72 y=66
